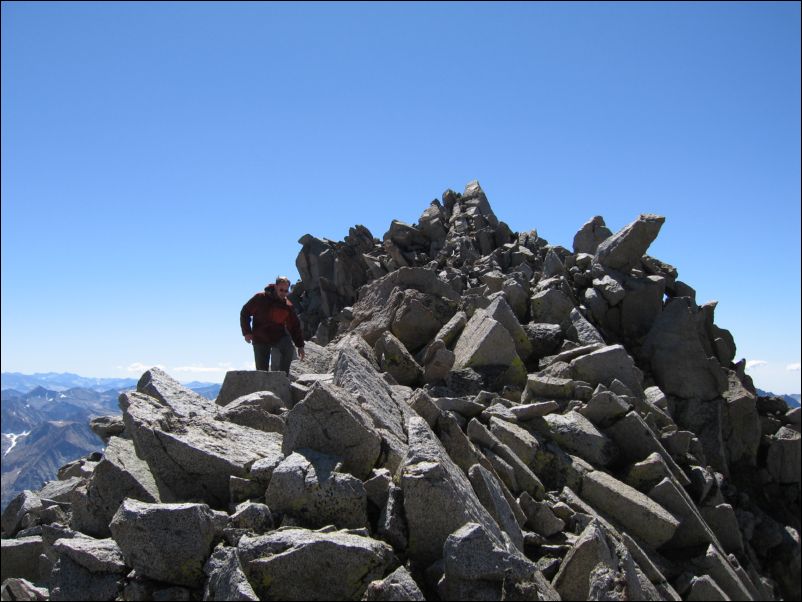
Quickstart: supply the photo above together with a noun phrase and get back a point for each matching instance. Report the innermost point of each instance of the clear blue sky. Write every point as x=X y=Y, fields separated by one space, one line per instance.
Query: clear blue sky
x=160 y=161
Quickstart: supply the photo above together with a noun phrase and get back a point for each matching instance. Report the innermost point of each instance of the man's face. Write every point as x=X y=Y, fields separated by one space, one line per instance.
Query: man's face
x=282 y=288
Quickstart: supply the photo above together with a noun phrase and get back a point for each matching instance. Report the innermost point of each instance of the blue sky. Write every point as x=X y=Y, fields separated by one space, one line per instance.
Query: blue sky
x=161 y=160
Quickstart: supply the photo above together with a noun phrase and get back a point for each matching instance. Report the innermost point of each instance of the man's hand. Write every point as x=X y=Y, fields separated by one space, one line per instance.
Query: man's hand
x=248 y=338
x=301 y=353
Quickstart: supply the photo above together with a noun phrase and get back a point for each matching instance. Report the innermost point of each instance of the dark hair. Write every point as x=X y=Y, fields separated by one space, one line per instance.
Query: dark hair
x=280 y=279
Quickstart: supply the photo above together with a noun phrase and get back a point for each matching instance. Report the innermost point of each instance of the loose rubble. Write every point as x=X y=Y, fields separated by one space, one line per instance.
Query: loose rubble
x=480 y=416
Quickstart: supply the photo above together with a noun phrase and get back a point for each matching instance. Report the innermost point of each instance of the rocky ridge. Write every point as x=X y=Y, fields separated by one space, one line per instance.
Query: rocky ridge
x=480 y=415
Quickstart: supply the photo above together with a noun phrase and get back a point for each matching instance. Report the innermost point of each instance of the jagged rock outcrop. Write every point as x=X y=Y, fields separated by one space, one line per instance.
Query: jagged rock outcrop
x=480 y=415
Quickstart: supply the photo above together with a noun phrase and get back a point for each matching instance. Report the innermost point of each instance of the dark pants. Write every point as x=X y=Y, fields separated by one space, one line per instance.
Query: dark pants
x=281 y=353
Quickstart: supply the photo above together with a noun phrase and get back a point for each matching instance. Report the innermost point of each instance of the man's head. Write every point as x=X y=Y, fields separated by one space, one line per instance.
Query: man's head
x=282 y=287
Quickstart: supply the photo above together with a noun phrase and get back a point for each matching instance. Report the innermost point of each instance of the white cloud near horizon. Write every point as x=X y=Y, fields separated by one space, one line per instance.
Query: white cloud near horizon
x=795 y=367
x=140 y=367
x=756 y=364
x=200 y=369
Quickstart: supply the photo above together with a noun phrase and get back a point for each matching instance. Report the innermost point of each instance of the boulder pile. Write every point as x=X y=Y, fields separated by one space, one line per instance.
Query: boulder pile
x=480 y=415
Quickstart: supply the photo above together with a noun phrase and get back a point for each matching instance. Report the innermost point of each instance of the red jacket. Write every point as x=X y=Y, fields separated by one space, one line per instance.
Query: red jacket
x=272 y=317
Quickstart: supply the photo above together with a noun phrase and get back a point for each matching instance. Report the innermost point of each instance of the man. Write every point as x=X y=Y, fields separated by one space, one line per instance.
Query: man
x=274 y=322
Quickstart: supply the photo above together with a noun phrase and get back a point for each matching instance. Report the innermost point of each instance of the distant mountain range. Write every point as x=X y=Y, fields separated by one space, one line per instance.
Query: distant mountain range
x=45 y=423
x=793 y=401
x=59 y=381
